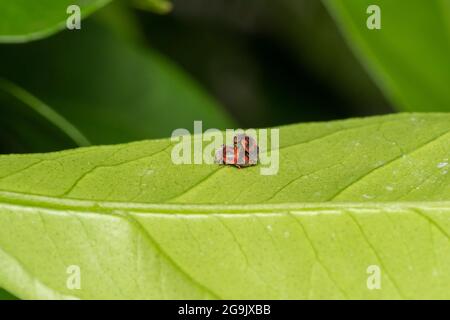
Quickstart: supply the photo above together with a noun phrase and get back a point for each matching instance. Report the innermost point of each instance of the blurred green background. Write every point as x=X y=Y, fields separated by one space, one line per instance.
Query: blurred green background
x=138 y=69
x=132 y=74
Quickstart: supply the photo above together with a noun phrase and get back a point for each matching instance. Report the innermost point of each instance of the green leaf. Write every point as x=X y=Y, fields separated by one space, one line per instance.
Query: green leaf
x=408 y=56
x=109 y=89
x=29 y=125
x=348 y=195
x=25 y=20
x=4 y=295
x=157 y=6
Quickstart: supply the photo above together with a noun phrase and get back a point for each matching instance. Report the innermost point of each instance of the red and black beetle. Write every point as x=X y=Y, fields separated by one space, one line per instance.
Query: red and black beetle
x=243 y=153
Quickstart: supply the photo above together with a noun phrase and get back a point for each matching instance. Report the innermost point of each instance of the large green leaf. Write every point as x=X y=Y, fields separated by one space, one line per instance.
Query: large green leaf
x=409 y=55
x=25 y=20
x=348 y=195
x=111 y=90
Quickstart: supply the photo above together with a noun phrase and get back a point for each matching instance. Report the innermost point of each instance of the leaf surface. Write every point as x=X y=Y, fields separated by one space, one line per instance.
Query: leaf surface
x=409 y=56
x=25 y=20
x=348 y=195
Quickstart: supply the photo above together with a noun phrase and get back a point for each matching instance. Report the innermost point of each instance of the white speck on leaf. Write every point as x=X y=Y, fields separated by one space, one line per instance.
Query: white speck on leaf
x=368 y=196
x=148 y=172
x=269 y=227
x=441 y=165
x=389 y=188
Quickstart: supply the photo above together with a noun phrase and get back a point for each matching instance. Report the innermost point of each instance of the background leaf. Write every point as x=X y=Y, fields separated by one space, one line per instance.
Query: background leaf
x=24 y=20
x=4 y=295
x=158 y=6
x=29 y=125
x=409 y=56
x=349 y=194
x=109 y=88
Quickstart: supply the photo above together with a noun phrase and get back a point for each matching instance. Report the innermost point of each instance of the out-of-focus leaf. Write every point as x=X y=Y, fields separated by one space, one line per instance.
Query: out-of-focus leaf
x=5 y=295
x=28 y=125
x=121 y=19
x=26 y=20
x=157 y=6
x=409 y=56
x=109 y=89
x=307 y=30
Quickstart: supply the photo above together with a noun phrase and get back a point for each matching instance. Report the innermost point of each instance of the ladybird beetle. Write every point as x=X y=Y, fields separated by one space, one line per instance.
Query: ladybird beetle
x=248 y=145
x=243 y=153
x=225 y=155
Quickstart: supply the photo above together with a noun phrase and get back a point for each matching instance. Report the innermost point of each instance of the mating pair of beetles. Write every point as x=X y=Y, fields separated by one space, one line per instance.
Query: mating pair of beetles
x=243 y=153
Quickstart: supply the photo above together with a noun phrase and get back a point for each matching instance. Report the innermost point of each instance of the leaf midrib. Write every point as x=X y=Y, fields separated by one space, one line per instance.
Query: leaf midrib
x=30 y=201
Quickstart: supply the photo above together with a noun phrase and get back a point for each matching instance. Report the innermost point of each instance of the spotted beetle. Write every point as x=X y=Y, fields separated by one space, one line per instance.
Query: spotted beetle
x=248 y=144
x=225 y=155
x=243 y=153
